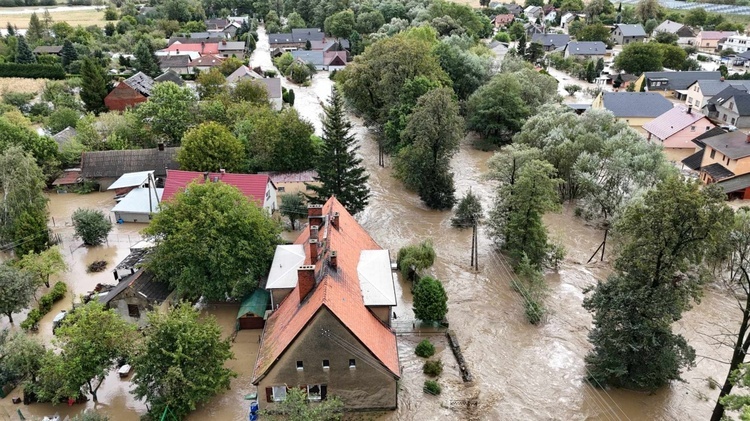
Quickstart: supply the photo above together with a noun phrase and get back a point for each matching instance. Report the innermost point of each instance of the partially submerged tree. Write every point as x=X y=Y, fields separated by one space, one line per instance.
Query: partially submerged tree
x=468 y=212
x=666 y=238
x=294 y=207
x=43 y=265
x=20 y=357
x=91 y=226
x=17 y=290
x=430 y=300
x=211 y=241
x=415 y=258
x=180 y=363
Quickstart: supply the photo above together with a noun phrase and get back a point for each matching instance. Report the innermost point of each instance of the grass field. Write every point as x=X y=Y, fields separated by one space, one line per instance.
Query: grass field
x=84 y=18
x=17 y=84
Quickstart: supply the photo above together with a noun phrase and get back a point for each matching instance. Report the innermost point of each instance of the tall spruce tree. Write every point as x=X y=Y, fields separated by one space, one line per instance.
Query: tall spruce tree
x=145 y=59
x=94 y=86
x=23 y=52
x=68 y=54
x=339 y=170
x=36 y=31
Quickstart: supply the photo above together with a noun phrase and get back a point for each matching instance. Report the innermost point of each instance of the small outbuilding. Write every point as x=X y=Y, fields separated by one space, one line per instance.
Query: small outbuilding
x=139 y=205
x=252 y=314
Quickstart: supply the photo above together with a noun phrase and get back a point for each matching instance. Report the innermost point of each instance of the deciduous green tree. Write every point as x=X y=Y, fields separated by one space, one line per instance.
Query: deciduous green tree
x=665 y=239
x=341 y=24
x=169 y=111
x=91 y=226
x=496 y=110
x=180 y=364
x=18 y=288
x=211 y=83
x=639 y=57
x=430 y=300
x=211 y=147
x=43 y=265
x=211 y=241
x=251 y=91
x=416 y=258
x=22 y=357
x=648 y=9
x=468 y=212
x=293 y=206
x=340 y=171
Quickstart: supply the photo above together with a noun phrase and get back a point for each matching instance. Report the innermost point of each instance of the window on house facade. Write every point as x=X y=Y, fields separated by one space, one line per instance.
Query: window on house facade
x=733 y=121
x=314 y=392
x=708 y=128
x=724 y=117
x=352 y=363
x=134 y=311
x=731 y=106
x=326 y=364
x=299 y=365
x=278 y=393
x=692 y=128
x=280 y=189
x=713 y=153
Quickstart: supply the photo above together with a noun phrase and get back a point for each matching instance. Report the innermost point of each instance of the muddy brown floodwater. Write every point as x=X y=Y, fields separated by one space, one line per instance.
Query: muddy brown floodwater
x=521 y=372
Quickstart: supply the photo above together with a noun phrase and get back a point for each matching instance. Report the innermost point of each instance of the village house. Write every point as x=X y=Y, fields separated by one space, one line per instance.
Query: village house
x=232 y=49
x=701 y=91
x=566 y=19
x=635 y=108
x=676 y=129
x=139 y=205
x=294 y=182
x=179 y=63
x=64 y=137
x=330 y=335
x=737 y=43
x=685 y=34
x=330 y=45
x=725 y=159
x=202 y=49
x=709 y=40
x=297 y=39
x=205 y=63
x=137 y=294
x=104 y=167
x=130 y=181
x=322 y=60
x=48 y=49
x=585 y=50
x=503 y=20
x=256 y=187
x=533 y=12
x=196 y=38
x=129 y=93
x=730 y=106
x=672 y=84
x=551 y=41
x=624 y=34
x=272 y=84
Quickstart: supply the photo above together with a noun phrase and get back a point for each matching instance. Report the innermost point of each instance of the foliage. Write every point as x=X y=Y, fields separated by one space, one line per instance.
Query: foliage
x=468 y=212
x=433 y=132
x=398 y=116
x=23 y=52
x=433 y=368
x=23 y=220
x=44 y=264
x=90 y=415
x=91 y=226
x=32 y=71
x=62 y=118
x=665 y=239
x=211 y=241
x=168 y=111
x=340 y=171
x=166 y=373
x=467 y=70
x=432 y=387
x=639 y=57
x=93 y=86
x=248 y=90
x=297 y=407
x=663 y=37
x=416 y=257
x=425 y=349
x=210 y=83
x=430 y=300
x=277 y=141
x=17 y=99
x=294 y=207
x=229 y=65
x=68 y=54
x=594 y=32
x=92 y=339
x=145 y=59
x=18 y=288
x=572 y=89
x=46 y=301
x=211 y=147
x=341 y=24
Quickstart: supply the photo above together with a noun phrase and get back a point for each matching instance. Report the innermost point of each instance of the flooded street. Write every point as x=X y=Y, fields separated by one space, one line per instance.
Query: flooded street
x=521 y=372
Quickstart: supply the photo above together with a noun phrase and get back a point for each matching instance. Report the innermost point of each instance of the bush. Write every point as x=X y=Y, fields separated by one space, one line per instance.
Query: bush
x=17 y=99
x=31 y=320
x=91 y=226
x=432 y=387
x=433 y=368
x=32 y=71
x=45 y=305
x=425 y=349
x=416 y=257
x=430 y=300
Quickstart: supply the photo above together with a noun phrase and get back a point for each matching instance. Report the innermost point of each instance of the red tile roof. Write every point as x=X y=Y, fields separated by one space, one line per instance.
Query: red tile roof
x=251 y=185
x=203 y=48
x=69 y=177
x=338 y=291
x=672 y=122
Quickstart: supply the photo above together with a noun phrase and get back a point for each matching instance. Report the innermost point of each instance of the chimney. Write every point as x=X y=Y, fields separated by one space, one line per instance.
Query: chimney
x=690 y=109
x=178 y=51
x=161 y=146
x=305 y=280
x=333 y=260
x=313 y=251
x=335 y=220
x=222 y=171
x=721 y=79
x=224 y=42
x=203 y=46
x=314 y=231
x=315 y=214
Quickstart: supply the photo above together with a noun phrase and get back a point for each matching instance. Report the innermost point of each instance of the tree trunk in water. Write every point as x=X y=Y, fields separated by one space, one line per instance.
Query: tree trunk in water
x=46 y=282
x=738 y=357
x=10 y=316
x=93 y=391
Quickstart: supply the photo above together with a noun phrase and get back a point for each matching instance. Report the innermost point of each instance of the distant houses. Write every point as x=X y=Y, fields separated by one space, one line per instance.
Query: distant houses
x=635 y=108
x=624 y=34
x=271 y=84
x=672 y=84
x=551 y=42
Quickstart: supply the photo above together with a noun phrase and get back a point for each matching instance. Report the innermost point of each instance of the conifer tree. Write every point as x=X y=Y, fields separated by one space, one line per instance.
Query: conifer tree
x=68 y=54
x=94 y=86
x=23 y=52
x=36 y=29
x=339 y=170
x=145 y=59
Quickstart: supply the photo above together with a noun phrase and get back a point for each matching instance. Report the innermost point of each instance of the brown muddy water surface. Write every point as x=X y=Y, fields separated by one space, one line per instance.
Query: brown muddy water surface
x=521 y=372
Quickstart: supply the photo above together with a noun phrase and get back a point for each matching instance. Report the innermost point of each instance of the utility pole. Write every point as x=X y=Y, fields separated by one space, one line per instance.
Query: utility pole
x=475 y=245
x=381 y=154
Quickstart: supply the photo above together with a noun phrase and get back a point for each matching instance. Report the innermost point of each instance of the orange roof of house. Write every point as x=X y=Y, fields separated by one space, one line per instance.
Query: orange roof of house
x=203 y=48
x=338 y=291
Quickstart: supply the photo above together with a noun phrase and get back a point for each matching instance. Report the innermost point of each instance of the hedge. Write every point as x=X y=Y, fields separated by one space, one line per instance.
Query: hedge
x=45 y=305
x=33 y=71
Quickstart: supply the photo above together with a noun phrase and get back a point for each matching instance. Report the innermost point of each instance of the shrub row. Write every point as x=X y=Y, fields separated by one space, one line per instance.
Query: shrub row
x=45 y=305
x=33 y=71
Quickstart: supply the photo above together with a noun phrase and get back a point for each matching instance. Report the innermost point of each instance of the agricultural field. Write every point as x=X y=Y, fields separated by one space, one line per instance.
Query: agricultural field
x=84 y=16
x=23 y=85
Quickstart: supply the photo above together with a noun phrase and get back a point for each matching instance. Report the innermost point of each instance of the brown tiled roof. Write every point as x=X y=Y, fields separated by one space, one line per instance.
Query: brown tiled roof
x=338 y=290
x=117 y=163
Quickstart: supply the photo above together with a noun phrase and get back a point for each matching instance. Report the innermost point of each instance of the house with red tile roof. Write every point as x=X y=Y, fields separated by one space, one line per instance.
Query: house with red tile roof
x=256 y=187
x=329 y=331
x=676 y=129
x=204 y=48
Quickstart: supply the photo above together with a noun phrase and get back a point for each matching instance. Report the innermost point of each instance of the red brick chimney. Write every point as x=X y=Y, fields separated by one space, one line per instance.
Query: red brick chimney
x=315 y=215
x=313 y=251
x=333 y=260
x=305 y=280
x=335 y=220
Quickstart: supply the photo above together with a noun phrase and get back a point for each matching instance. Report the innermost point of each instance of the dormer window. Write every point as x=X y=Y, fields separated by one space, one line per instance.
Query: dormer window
x=300 y=367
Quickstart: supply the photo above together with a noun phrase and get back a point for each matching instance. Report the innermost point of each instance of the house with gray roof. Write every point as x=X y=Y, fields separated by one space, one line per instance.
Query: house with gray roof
x=672 y=83
x=624 y=34
x=170 y=76
x=635 y=108
x=585 y=49
x=685 y=34
x=297 y=39
x=316 y=58
x=232 y=49
x=731 y=107
x=272 y=84
x=105 y=167
x=48 y=49
x=551 y=41
x=700 y=91
x=178 y=63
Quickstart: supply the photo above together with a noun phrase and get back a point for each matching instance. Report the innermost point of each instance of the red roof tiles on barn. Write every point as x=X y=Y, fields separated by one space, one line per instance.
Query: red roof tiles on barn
x=253 y=186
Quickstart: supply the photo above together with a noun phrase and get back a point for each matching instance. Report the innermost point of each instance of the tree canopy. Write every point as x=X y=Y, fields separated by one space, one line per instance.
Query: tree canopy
x=211 y=147
x=18 y=288
x=169 y=111
x=430 y=300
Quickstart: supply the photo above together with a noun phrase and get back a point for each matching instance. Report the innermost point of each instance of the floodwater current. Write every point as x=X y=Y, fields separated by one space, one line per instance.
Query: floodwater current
x=521 y=372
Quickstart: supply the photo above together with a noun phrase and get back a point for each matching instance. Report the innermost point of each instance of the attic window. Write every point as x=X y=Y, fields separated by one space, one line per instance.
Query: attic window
x=299 y=365
x=352 y=363
x=326 y=364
